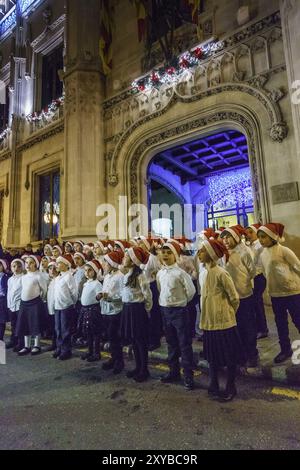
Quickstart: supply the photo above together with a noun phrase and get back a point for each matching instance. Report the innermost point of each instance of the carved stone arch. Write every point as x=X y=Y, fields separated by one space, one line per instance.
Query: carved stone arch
x=169 y=186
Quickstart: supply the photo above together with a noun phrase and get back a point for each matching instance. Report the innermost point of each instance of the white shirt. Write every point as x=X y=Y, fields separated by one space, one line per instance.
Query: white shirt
x=14 y=290
x=80 y=279
x=33 y=286
x=152 y=268
x=89 y=292
x=242 y=270
x=175 y=286
x=112 y=285
x=66 y=293
x=219 y=299
x=282 y=270
x=256 y=250
x=138 y=294
x=51 y=297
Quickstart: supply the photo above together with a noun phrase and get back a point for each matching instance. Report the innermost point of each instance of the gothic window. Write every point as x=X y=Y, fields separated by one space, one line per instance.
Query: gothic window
x=49 y=205
x=52 y=86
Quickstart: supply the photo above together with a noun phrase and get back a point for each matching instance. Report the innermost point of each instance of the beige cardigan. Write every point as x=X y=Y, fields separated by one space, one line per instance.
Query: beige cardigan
x=219 y=299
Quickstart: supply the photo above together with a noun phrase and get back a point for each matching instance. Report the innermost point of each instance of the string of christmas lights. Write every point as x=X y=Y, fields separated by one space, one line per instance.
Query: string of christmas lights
x=232 y=188
x=171 y=73
x=48 y=112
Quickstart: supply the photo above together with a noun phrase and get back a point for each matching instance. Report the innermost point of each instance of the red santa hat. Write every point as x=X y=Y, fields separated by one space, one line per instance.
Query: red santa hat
x=114 y=258
x=48 y=246
x=216 y=249
x=4 y=264
x=95 y=265
x=58 y=248
x=18 y=260
x=80 y=242
x=178 y=241
x=110 y=245
x=148 y=242
x=174 y=246
x=220 y=230
x=66 y=259
x=236 y=231
x=123 y=244
x=79 y=255
x=254 y=227
x=208 y=234
x=52 y=264
x=88 y=246
x=138 y=256
x=69 y=244
x=100 y=244
x=274 y=230
x=36 y=259
x=47 y=258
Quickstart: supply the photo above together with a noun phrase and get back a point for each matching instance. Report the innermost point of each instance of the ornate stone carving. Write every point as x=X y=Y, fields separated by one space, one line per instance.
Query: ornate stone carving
x=279 y=131
x=113 y=179
x=259 y=81
x=276 y=95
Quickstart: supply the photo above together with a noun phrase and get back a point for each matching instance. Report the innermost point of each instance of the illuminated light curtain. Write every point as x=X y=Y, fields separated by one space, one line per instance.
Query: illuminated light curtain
x=49 y=205
x=105 y=43
x=226 y=190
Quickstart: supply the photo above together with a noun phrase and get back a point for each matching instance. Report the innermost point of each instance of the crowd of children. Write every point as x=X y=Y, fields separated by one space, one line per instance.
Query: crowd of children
x=133 y=293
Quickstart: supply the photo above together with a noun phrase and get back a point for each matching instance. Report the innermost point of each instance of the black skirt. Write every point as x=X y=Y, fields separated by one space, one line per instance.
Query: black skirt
x=92 y=319
x=4 y=314
x=134 y=323
x=223 y=348
x=31 y=318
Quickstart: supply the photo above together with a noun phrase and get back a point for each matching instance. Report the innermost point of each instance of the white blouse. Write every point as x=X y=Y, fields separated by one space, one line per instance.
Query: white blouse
x=241 y=268
x=89 y=292
x=175 y=286
x=33 y=285
x=14 y=290
x=138 y=294
x=66 y=292
x=282 y=270
x=112 y=285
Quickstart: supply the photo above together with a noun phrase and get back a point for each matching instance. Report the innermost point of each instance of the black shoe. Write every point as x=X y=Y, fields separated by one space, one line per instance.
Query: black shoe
x=24 y=352
x=118 y=367
x=132 y=373
x=188 y=383
x=16 y=349
x=50 y=348
x=36 y=351
x=93 y=358
x=170 y=378
x=10 y=345
x=65 y=356
x=227 y=395
x=56 y=354
x=109 y=365
x=283 y=356
x=142 y=377
x=262 y=335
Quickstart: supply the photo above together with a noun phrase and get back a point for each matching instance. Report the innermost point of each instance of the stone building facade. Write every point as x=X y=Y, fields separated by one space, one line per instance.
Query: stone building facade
x=95 y=142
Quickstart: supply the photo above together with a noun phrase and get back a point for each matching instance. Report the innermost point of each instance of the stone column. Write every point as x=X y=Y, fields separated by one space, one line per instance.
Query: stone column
x=83 y=167
x=290 y=15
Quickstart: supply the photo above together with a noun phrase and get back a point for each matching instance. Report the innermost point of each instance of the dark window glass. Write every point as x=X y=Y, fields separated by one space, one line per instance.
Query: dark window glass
x=4 y=108
x=49 y=205
x=52 y=87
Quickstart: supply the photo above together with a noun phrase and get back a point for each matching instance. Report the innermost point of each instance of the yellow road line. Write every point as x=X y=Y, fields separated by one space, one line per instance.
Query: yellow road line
x=284 y=392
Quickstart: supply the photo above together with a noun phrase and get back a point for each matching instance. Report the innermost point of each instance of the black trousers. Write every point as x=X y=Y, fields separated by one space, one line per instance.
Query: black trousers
x=112 y=325
x=260 y=284
x=178 y=337
x=155 y=321
x=281 y=307
x=15 y=340
x=64 y=321
x=245 y=317
x=2 y=331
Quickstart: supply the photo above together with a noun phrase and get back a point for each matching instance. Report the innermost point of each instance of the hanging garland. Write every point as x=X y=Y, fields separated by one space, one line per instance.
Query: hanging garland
x=171 y=73
x=48 y=112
